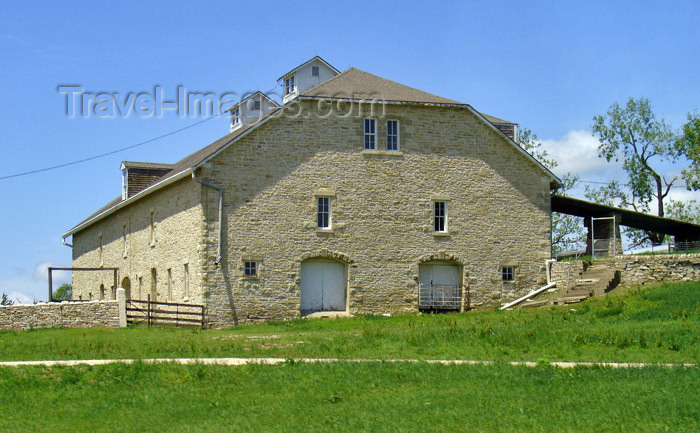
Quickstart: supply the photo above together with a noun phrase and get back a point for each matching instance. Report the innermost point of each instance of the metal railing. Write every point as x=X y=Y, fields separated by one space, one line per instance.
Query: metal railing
x=443 y=297
x=165 y=313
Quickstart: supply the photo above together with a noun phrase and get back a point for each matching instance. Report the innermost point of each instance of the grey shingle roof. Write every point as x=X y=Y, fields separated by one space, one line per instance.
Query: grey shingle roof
x=356 y=84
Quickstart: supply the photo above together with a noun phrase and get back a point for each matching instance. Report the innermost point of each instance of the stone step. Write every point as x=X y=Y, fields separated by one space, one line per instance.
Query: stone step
x=587 y=281
x=569 y=300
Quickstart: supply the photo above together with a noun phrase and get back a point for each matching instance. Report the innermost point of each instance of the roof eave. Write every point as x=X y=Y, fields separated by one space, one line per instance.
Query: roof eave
x=249 y=97
x=395 y=102
x=127 y=202
x=556 y=182
x=254 y=126
x=306 y=63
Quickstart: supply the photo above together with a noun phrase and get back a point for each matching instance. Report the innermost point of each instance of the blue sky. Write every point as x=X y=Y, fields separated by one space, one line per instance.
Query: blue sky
x=550 y=66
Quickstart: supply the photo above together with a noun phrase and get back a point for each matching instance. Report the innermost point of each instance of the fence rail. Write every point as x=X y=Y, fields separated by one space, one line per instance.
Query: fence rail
x=165 y=313
x=443 y=297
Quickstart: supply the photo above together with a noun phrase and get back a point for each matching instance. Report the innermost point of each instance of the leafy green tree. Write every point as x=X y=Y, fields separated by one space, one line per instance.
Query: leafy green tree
x=63 y=293
x=5 y=300
x=632 y=135
x=688 y=144
x=684 y=211
x=568 y=233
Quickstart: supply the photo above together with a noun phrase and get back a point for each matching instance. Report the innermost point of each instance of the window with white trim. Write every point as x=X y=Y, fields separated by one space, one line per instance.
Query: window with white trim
x=315 y=71
x=323 y=214
x=440 y=216
x=392 y=135
x=370 y=134
x=236 y=118
x=508 y=273
x=289 y=86
x=250 y=269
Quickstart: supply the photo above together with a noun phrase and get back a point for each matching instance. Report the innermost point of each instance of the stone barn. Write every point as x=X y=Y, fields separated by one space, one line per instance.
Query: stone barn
x=352 y=195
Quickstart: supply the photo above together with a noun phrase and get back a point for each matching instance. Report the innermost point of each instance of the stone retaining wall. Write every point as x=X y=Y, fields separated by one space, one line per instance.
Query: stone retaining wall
x=67 y=314
x=636 y=269
x=651 y=269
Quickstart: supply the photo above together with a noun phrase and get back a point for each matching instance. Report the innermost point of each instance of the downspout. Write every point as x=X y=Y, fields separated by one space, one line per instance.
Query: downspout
x=63 y=241
x=221 y=213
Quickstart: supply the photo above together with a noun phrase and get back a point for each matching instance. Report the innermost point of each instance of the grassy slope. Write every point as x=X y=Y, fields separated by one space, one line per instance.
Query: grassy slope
x=348 y=397
x=659 y=324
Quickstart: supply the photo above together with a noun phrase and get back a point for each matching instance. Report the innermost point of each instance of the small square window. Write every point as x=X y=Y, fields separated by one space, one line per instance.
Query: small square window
x=314 y=71
x=370 y=134
x=508 y=273
x=250 y=269
x=440 y=216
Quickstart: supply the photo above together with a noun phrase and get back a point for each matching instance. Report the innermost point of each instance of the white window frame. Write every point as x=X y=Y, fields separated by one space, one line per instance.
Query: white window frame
x=289 y=86
x=315 y=71
x=236 y=118
x=370 y=134
x=323 y=212
x=395 y=136
x=440 y=216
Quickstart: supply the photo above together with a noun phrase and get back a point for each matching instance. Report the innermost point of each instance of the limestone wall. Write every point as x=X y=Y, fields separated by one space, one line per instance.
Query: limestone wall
x=156 y=244
x=61 y=314
x=651 y=269
x=498 y=211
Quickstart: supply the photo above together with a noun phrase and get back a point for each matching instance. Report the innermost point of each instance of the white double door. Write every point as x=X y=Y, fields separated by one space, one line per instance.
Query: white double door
x=322 y=285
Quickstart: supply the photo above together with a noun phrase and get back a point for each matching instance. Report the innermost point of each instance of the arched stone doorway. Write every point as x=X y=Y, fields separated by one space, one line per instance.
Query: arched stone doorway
x=440 y=285
x=126 y=285
x=323 y=285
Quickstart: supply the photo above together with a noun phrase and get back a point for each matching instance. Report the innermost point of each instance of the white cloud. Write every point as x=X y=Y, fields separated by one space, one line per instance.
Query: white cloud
x=577 y=152
x=41 y=273
x=27 y=287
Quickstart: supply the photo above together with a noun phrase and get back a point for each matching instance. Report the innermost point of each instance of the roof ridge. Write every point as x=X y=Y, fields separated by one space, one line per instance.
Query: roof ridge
x=330 y=79
x=415 y=95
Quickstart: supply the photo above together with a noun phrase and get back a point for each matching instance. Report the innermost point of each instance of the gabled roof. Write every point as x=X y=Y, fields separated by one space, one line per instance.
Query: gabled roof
x=356 y=84
x=351 y=84
x=179 y=170
x=306 y=63
x=496 y=120
x=275 y=103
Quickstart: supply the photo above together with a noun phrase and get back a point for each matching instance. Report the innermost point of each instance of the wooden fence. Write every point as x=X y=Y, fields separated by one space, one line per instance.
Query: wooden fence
x=165 y=313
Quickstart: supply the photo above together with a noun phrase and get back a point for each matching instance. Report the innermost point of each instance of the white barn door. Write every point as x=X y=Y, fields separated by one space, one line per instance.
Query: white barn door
x=322 y=285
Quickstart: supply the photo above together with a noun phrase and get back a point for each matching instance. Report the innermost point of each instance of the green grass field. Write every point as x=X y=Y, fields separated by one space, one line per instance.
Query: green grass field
x=348 y=398
x=659 y=324
x=656 y=324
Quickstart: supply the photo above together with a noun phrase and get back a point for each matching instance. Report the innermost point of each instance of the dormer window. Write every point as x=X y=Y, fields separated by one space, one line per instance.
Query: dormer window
x=236 y=119
x=289 y=86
